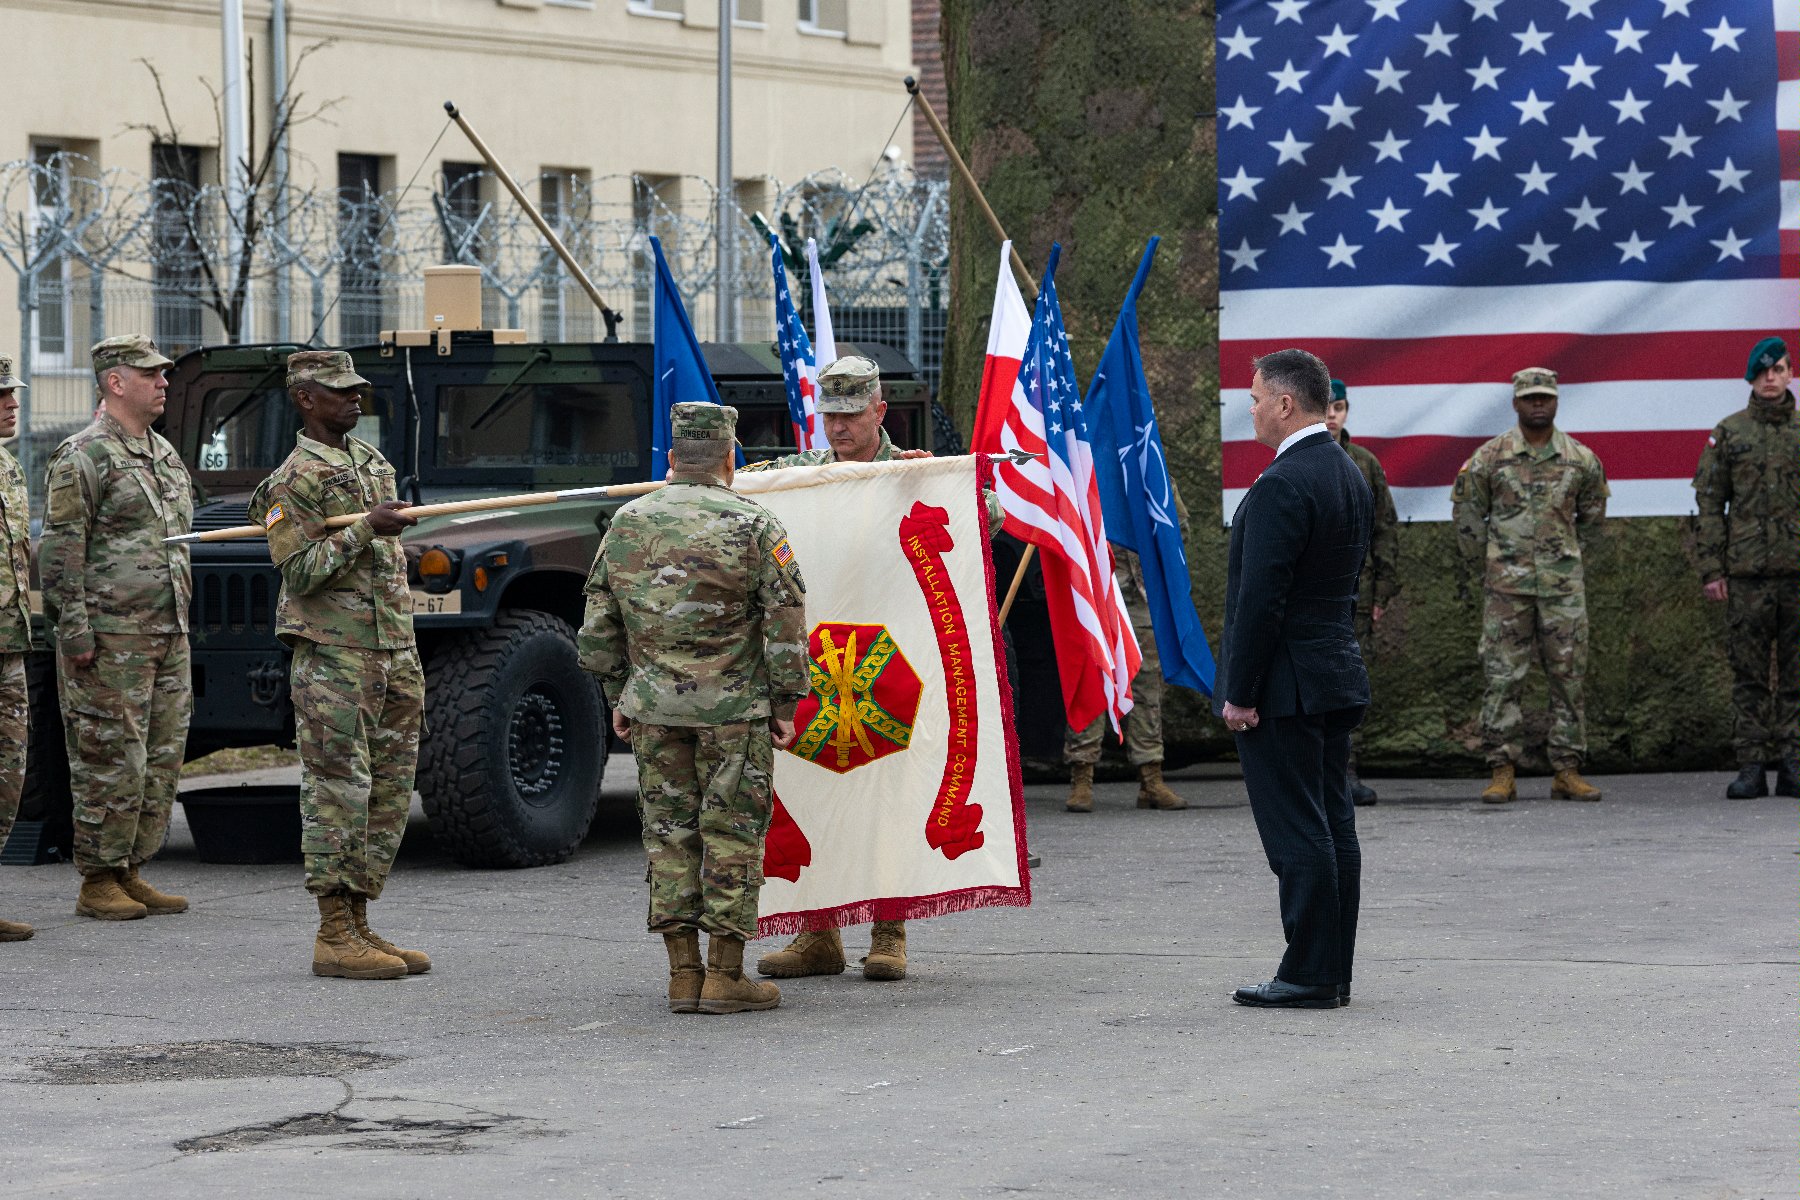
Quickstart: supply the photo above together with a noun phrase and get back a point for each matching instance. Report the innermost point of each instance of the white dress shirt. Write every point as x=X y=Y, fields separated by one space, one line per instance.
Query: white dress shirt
x=1298 y=434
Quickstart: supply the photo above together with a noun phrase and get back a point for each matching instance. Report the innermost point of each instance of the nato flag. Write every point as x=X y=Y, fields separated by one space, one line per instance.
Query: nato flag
x=681 y=374
x=1137 y=497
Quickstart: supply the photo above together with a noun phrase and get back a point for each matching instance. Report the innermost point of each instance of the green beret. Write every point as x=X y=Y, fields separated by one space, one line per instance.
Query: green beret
x=1534 y=380
x=1339 y=391
x=702 y=421
x=127 y=350
x=8 y=379
x=1766 y=354
x=327 y=368
x=847 y=385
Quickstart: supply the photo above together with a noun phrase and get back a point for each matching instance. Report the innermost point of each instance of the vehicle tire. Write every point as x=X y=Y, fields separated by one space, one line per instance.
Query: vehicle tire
x=47 y=797
x=515 y=743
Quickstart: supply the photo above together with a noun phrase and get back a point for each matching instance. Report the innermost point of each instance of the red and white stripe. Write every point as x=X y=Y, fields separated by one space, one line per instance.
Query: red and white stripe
x=1645 y=371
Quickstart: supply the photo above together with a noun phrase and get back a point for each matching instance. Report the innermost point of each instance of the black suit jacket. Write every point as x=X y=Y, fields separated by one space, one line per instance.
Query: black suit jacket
x=1297 y=546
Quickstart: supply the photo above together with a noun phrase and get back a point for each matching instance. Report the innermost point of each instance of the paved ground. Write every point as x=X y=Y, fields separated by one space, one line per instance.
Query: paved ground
x=1552 y=1000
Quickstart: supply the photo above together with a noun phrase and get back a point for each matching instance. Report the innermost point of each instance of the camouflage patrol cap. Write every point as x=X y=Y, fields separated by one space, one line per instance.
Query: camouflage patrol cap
x=8 y=379
x=847 y=385
x=128 y=350
x=1339 y=391
x=1534 y=381
x=1765 y=354
x=327 y=368
x=703 y=421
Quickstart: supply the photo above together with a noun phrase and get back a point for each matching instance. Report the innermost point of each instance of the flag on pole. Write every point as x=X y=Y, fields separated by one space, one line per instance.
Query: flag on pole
x=824 y=345
x=681 y=372
x=1137 y=497
x=1008 y=331
x=799 y=369
x=1439 y=193
x=1053 y=502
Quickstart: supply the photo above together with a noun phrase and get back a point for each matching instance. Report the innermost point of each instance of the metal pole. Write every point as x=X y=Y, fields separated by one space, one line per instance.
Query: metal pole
x=278 y=67
x=27 y=338
x=236 y=123
x=724 y=321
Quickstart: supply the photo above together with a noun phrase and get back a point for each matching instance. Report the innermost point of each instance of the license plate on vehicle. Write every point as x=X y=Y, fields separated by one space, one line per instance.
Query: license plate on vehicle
x=428 y=602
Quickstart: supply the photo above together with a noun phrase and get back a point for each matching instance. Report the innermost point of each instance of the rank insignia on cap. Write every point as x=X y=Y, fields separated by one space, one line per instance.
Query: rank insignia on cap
x=783 y=554
x=274 y=515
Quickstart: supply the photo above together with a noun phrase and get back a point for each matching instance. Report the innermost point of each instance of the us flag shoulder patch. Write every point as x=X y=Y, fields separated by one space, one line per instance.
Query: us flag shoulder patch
x=783 y=554
x=275 y=514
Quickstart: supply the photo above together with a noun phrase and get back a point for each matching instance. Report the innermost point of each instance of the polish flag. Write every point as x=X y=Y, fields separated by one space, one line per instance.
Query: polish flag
x=1008 y=331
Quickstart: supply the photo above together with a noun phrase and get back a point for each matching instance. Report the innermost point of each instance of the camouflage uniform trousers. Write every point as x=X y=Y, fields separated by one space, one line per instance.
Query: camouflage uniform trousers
x=1763 y=613
x=125 y=720
x=357 y=717
x=1517 y=630
x=705 y=795
x=1142 y=726
x=15 y=714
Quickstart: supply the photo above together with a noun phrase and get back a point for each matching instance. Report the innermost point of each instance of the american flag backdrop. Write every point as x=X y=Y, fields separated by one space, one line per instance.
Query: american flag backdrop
x=1433 y=194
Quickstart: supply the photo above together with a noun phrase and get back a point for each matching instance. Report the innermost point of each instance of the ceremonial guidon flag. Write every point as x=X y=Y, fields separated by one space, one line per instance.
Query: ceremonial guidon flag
x=799 y=369
x=1434 y=194
x=681 y=373
x=900 y=796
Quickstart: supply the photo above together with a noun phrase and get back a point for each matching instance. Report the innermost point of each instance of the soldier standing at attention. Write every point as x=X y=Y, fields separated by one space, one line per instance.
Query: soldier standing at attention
x=696 y=629
x=1381 y=572
x=1747 y=488
x=1524 y=505
x=117 y=598
x=15 y=622
x=359 y=693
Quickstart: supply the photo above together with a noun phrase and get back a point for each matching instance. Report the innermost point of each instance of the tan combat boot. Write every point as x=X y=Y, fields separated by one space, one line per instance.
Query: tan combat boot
x=1502 y=789
x=1081 y=788
x=158 y=903
x=339 y=950
x=887 y=952
x=15 y=931
x=686 y=975
x=1153 y=792
x=103 y=899
x=815 y=952
x=1569 y=785
x=726 y=990
x=417 y=961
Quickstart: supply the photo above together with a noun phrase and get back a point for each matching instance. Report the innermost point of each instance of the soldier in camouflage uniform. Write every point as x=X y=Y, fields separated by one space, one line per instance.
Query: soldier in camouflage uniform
x=696 y=629
x=1381 y=571
x=117 y=598
x=359 y=692
x=851 y=409
x=15 y=622
x=1524 y=505
x=1747 y=488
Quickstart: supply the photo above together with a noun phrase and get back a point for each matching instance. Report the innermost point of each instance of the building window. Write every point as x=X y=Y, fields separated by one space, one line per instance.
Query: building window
x=459 y=212
x=672 y=9
x=825 y=18
x=747 y=12
x=51 y=196
x=359 y=229
x=566 y=314
x=176 y=229
x=655 y=206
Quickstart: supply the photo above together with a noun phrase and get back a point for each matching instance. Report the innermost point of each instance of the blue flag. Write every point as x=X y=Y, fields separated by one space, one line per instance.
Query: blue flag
x=1137 y=498
x=681 y=373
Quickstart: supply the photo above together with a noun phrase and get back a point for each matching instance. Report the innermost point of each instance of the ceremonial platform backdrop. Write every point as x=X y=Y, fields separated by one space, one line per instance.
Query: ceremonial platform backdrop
x=900 y=797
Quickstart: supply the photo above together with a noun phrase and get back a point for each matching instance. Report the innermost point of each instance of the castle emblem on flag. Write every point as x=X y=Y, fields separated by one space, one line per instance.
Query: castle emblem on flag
x=865 y=698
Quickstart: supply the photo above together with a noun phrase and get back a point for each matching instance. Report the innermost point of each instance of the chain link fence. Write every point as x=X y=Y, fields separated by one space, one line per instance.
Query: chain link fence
x=96 y=253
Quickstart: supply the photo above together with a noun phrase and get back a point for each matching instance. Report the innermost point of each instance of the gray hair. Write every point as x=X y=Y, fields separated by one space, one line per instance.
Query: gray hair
x=1299 y=374
x=706 y=453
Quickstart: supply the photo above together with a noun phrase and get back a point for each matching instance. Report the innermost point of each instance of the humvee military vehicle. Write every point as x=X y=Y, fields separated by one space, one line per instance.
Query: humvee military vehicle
x=515 y=740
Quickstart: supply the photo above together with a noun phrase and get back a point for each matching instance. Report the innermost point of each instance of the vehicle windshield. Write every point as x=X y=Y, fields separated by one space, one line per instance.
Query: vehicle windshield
x=251 y=426
x=585 y=430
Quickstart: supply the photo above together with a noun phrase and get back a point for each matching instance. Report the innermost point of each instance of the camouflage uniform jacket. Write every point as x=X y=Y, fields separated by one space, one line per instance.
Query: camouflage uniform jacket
x=1747 y=488
x=1527 y=510
x=883 y=453
x=102 y=560
x=15 y=558
x=1381 y=575
x=339 y=587
x=696 y=610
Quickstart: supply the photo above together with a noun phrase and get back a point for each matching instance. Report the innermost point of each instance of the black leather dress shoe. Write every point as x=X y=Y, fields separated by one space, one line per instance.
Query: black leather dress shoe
x=1748 y=785
x=1343 y=995
x=1278 y=993
x=1361 y=794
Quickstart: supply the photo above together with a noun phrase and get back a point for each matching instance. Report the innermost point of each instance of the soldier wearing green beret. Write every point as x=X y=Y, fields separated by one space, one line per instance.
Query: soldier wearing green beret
x=1524 y=506
x=116 y=598
x=696 y=630
x=357 y=686
x=1381 y=573
x=15 y=621
x=1747 y=489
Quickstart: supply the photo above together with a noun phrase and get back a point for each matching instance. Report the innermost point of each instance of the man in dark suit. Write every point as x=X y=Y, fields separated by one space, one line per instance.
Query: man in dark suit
x=1291 y=680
